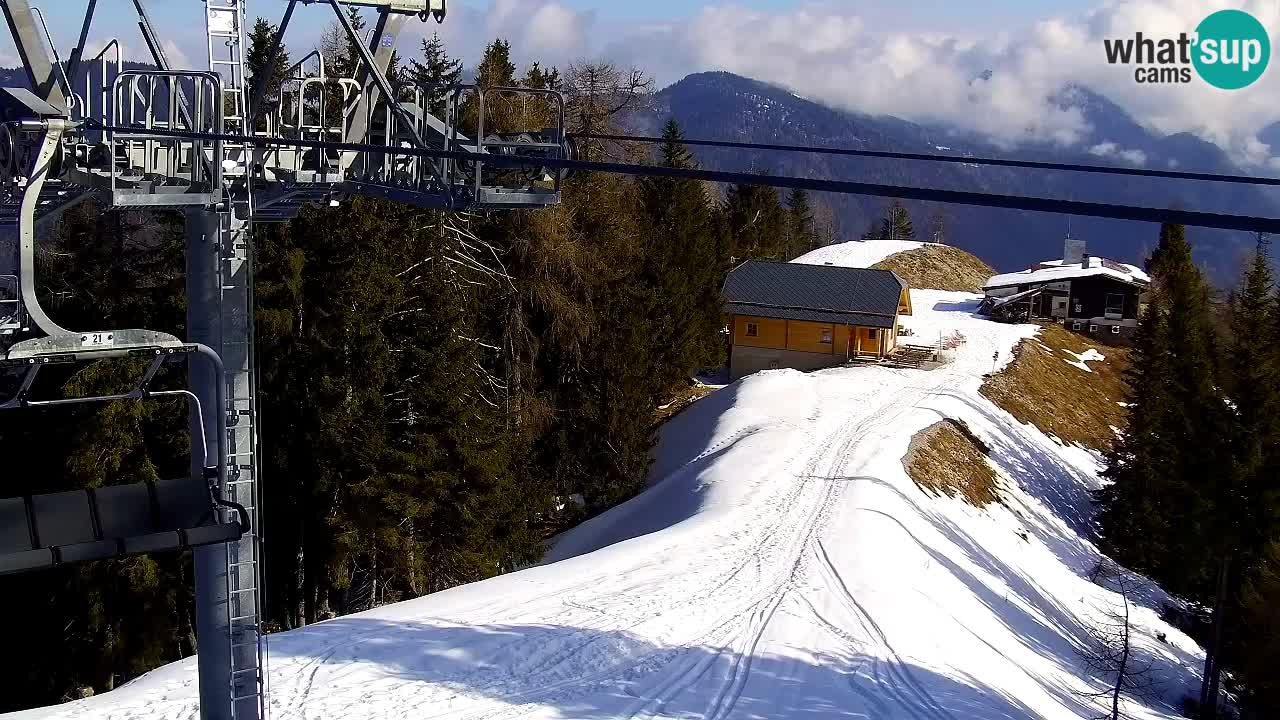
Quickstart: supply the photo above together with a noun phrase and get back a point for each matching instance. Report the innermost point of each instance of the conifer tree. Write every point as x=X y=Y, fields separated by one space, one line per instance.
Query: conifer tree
x=800 y=228
x=259 y=55
x=894 y=225
x=756 y=222
x=1259 y=654
x=683 y=267
x=1157 y=516
x=1250 y=506
x=1136 y=515
x=436 y=70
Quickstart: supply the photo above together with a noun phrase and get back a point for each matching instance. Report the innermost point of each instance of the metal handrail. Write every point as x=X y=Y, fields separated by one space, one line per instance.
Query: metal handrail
x=480 y=139
x=207 y=86
x=105 y=89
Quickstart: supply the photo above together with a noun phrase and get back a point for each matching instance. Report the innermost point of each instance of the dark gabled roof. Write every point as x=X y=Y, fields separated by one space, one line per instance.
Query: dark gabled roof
x=818 y=316
x=819 y=293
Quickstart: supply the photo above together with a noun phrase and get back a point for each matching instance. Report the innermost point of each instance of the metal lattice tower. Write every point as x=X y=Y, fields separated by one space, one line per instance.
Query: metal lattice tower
x=227 y=228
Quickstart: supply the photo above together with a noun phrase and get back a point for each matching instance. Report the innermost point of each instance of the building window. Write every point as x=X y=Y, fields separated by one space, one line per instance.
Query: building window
x=871 y=333
x=826 y=336
x=1115 y=306
x=1075 y=326
x=1093 y=328
x=1115 y=329
x=753 y=329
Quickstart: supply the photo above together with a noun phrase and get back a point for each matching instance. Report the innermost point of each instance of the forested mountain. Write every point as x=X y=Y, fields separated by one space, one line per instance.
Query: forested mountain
x=723 y=106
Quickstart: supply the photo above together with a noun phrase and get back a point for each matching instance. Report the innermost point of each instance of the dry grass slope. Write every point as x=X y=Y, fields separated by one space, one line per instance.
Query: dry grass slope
x=1040 y=387
x=939 y=267
x=947 y=458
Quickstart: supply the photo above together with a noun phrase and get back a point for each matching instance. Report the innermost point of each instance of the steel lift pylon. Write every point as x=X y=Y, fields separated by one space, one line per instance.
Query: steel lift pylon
x=219 y=146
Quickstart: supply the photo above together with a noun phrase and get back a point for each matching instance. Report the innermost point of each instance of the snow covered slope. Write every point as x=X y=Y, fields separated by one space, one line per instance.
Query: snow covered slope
x=857 y=253
x=782 y=565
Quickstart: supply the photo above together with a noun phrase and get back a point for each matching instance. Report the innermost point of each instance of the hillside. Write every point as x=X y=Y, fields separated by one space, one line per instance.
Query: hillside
x=783 y=564
x=858 y=253
x=921 y=265
x=940 y=267
x=1066 y=385
x=723 y=106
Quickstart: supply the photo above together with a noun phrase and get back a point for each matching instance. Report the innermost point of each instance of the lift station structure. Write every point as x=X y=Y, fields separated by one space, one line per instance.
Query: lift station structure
x=227 y=150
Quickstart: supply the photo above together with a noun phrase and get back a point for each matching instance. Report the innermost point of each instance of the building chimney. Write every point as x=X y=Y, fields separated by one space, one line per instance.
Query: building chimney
x=1073 y=251
x=1085 y=260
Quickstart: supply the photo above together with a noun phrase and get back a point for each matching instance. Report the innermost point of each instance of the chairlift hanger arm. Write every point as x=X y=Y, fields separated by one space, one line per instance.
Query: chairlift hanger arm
x=34 y=55
x=140 y=390
x=59 y=70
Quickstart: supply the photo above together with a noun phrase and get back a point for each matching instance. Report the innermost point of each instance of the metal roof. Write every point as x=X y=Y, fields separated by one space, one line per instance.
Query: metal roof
x=818 y=316
x=819 y=293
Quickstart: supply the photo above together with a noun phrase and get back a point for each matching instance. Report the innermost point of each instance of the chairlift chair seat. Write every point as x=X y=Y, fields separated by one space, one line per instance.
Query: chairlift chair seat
x=44 y=531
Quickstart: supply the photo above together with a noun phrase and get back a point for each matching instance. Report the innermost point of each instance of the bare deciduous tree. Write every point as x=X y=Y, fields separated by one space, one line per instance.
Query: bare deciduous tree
x=599 y=94
x=1109 y=654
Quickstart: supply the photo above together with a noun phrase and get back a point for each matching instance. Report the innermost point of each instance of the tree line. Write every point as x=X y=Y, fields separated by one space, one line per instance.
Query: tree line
x=439 y=392
x=1195 y=495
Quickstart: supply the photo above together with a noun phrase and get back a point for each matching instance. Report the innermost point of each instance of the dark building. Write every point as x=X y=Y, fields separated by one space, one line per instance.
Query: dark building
x=1092 y=295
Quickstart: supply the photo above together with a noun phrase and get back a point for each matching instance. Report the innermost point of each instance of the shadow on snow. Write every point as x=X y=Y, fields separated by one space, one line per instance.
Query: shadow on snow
x=593 y=674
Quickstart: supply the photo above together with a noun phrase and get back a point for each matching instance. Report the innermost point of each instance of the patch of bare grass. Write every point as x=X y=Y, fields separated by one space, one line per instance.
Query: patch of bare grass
x=680 y=399
x=1040 y=387
x=939 y=267
x=947 y=458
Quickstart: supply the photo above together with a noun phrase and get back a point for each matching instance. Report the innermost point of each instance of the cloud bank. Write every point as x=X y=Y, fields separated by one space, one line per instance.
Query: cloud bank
x=997 y=85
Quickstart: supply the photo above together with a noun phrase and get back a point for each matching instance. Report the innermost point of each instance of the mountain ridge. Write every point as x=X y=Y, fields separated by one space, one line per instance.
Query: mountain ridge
x=723 y=106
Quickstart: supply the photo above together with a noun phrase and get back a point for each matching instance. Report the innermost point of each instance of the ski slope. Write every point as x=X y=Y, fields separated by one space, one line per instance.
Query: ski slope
x=781 y=565
x=857 y=253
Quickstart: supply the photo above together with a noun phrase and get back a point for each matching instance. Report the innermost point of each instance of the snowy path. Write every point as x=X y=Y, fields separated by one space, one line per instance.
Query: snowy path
x=782 y=566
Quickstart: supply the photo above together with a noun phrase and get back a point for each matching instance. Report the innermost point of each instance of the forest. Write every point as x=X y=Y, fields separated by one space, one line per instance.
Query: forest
x=440 y=393
x=1194 y=502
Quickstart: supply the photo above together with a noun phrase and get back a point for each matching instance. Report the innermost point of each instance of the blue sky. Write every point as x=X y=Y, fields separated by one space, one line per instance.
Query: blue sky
x=178 y=20
x=925 y=60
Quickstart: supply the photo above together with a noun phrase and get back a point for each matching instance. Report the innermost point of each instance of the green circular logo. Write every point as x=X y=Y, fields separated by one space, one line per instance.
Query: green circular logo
x=1232 y=50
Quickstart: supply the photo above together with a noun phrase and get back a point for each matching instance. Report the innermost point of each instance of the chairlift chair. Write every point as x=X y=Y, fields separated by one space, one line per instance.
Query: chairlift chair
x=44 y=531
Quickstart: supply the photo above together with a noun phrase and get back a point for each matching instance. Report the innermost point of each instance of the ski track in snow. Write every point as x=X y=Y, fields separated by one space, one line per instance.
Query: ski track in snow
x=781 y=565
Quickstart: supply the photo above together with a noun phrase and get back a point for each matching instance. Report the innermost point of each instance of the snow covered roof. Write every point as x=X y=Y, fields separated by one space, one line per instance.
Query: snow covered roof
x=857 y=253
x=1056 y=271
x=819 y=293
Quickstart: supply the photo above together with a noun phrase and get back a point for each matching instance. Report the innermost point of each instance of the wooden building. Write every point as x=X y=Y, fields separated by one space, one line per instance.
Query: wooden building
x=1091 y=295
x=806 y=317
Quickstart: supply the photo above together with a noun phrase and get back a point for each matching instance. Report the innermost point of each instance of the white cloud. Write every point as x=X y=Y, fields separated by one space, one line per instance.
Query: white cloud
x=177 y=58
x=545 y=31
x=1111 y=150
x=827 y=52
